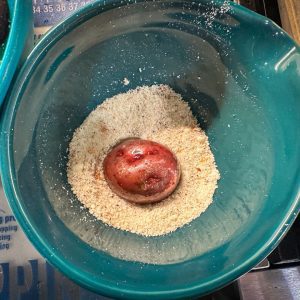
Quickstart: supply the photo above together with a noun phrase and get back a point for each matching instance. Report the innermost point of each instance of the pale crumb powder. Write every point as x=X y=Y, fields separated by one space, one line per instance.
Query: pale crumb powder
x=126 y=81
x=159 y=114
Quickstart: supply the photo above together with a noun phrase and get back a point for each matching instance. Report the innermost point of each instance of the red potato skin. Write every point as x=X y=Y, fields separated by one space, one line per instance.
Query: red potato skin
x=141 y=171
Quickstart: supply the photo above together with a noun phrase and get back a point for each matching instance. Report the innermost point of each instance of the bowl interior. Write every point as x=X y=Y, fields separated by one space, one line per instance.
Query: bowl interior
x=244 y=93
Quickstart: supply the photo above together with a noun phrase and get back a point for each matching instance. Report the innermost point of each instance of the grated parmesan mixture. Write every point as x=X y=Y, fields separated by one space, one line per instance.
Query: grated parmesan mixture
x=159 y=114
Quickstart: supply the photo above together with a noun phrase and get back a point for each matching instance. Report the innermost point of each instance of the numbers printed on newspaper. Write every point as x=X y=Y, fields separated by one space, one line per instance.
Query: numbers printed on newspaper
x=50 y=12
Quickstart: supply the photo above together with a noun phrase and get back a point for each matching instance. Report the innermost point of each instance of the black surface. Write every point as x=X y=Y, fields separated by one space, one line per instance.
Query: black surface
x=268 y=8
x=230 y=292
x=272 y=10
x=288 y=251
x=3 y=20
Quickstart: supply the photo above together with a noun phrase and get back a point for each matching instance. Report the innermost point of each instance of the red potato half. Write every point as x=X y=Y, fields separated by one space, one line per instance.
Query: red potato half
x=141 y=171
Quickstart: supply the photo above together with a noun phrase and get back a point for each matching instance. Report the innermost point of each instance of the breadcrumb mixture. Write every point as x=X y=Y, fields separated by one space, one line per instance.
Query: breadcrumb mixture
x=155 y=113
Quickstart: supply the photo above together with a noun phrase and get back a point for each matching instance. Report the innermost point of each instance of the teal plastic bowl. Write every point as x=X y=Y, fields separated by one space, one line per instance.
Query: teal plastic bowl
x=18 y=42
x=240 y=74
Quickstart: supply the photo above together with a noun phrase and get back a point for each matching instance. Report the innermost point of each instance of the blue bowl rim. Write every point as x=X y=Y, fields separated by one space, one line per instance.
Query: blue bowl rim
x=20 y=26
x=9 y=178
